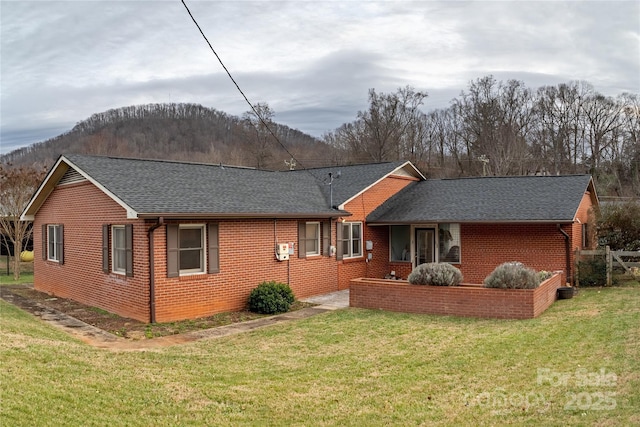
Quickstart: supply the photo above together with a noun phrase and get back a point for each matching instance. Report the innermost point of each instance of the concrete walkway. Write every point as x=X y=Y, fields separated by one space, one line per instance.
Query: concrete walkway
x=330 y=301
x=102 y=339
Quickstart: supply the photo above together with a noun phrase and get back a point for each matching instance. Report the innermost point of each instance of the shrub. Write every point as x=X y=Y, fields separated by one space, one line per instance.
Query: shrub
x=512 y=275
x=435 y=274
x=544 y=275
x=618 y=226
x=592 y=272
x=271 y=298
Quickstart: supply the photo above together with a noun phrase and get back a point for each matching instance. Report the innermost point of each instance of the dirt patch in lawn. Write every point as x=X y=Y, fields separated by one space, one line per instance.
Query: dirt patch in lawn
x=31 y=300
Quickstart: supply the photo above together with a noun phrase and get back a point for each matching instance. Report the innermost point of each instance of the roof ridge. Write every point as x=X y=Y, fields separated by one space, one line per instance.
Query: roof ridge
x=510 y=177
x=181 y=162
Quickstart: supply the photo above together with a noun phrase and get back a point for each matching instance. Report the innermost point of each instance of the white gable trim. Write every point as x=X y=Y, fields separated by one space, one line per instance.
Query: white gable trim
x=49 y=183
x=401 y=170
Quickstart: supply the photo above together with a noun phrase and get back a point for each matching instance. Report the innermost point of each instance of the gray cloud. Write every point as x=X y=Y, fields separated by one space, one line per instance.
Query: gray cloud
x=313 y=62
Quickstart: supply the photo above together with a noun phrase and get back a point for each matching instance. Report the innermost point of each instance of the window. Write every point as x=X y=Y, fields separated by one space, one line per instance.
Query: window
x=351 y=241
x=312 y=238
x=53 y=242
x=449 y=243
x=400 y=242
x=119 y=257
x=192 y=249
x=117 y=249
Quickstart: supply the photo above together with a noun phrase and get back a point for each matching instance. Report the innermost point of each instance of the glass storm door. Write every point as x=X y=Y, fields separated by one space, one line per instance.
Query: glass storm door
x=425 y=245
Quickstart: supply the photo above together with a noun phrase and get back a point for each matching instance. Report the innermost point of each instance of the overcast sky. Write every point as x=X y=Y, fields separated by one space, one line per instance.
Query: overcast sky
x=311 y=61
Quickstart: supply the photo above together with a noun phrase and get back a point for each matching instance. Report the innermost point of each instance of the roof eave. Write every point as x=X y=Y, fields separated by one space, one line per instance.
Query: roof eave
x=466 y=221
x=241 y=215
x=45 y=188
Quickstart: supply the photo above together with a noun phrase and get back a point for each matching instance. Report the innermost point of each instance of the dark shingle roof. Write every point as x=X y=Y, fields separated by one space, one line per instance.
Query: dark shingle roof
x=350 y=180
x=156 y=186
x=486 y=199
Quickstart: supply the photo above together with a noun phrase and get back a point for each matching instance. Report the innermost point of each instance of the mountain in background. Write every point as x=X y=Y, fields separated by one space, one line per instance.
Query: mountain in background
x=185 y=132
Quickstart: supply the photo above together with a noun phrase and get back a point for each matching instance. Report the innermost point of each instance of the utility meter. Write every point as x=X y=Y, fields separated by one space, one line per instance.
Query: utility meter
x=282 y=251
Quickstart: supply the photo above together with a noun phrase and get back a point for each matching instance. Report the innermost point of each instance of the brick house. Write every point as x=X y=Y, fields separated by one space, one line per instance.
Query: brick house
x=161 y=241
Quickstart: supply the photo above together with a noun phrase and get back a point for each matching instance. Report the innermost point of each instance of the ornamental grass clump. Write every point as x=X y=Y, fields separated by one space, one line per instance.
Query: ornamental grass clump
x=435 y=274
x=271 y=298
x=512 y=275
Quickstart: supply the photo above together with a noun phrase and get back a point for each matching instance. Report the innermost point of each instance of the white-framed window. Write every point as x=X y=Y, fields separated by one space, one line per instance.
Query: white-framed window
x=449 y=243
x=191 y=247
x=54 y=242
x=119 y=249
x=312 y=238
x=351 y=239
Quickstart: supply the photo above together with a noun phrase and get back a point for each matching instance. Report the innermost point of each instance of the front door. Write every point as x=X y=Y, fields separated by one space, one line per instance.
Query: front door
x=425 y=245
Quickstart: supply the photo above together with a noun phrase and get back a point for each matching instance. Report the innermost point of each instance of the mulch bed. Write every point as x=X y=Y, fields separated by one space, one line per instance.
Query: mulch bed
x=31 y=300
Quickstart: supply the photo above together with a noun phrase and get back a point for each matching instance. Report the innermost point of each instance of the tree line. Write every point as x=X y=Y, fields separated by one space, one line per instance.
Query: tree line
x=186 y=132
x=492 y=128
x=503 y=128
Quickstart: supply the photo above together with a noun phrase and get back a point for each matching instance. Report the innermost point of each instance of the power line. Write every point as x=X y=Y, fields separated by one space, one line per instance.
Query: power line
x=242 y=93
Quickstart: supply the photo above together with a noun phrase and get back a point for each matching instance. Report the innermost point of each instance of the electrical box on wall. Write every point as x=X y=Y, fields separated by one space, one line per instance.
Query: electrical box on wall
x=369 y=245
x=282 y=251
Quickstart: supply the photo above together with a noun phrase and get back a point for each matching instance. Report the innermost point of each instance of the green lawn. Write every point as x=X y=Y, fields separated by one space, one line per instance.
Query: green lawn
x=577 y=364
x=6 y=275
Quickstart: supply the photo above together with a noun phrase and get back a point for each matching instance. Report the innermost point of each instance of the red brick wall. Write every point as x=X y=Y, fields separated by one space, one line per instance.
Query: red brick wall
x=465 y=301
x=485 y=246
x=247 y=258
x=83 y=209
x=360 y=207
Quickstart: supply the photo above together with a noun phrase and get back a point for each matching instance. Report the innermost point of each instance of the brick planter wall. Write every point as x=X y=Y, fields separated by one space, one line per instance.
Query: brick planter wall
x=465 y=300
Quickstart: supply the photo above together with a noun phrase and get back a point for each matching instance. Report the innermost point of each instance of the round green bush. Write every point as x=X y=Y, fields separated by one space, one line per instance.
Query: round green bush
x=271 y=298
x=435 y=274
x=512 y=275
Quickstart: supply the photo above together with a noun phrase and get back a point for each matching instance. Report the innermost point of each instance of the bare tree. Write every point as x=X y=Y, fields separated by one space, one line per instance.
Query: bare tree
x=392 y=128
x=497 y=119
x=17 y=185
x=258 y=127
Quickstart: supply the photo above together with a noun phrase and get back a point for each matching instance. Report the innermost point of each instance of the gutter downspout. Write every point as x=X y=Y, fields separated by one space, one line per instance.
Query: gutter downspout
x=567 y=249
x=152 y=276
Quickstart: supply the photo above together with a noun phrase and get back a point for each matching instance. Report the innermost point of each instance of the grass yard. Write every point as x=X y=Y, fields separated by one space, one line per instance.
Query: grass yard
x=577 y=364
x=6 y=272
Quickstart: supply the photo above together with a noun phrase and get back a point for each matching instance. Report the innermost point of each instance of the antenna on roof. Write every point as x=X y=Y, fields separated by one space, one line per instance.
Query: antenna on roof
x=291 y=164
x=331 y=187
x=485 y=160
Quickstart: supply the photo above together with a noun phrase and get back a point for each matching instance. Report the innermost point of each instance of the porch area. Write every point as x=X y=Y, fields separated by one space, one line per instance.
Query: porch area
x=467 y=300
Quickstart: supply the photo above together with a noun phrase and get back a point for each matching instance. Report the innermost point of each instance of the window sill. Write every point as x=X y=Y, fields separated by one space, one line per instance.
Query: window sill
x=350 y=260
x=192 y=276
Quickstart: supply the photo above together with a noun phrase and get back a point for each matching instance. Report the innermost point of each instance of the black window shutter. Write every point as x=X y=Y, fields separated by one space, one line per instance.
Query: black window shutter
x=339 y=254
x=302 y=239
x=44 y=241
x=173 y=267
x=60 y=243
x=326 y=238
x=214 y=249
x=105 y=248
x=128 y=246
